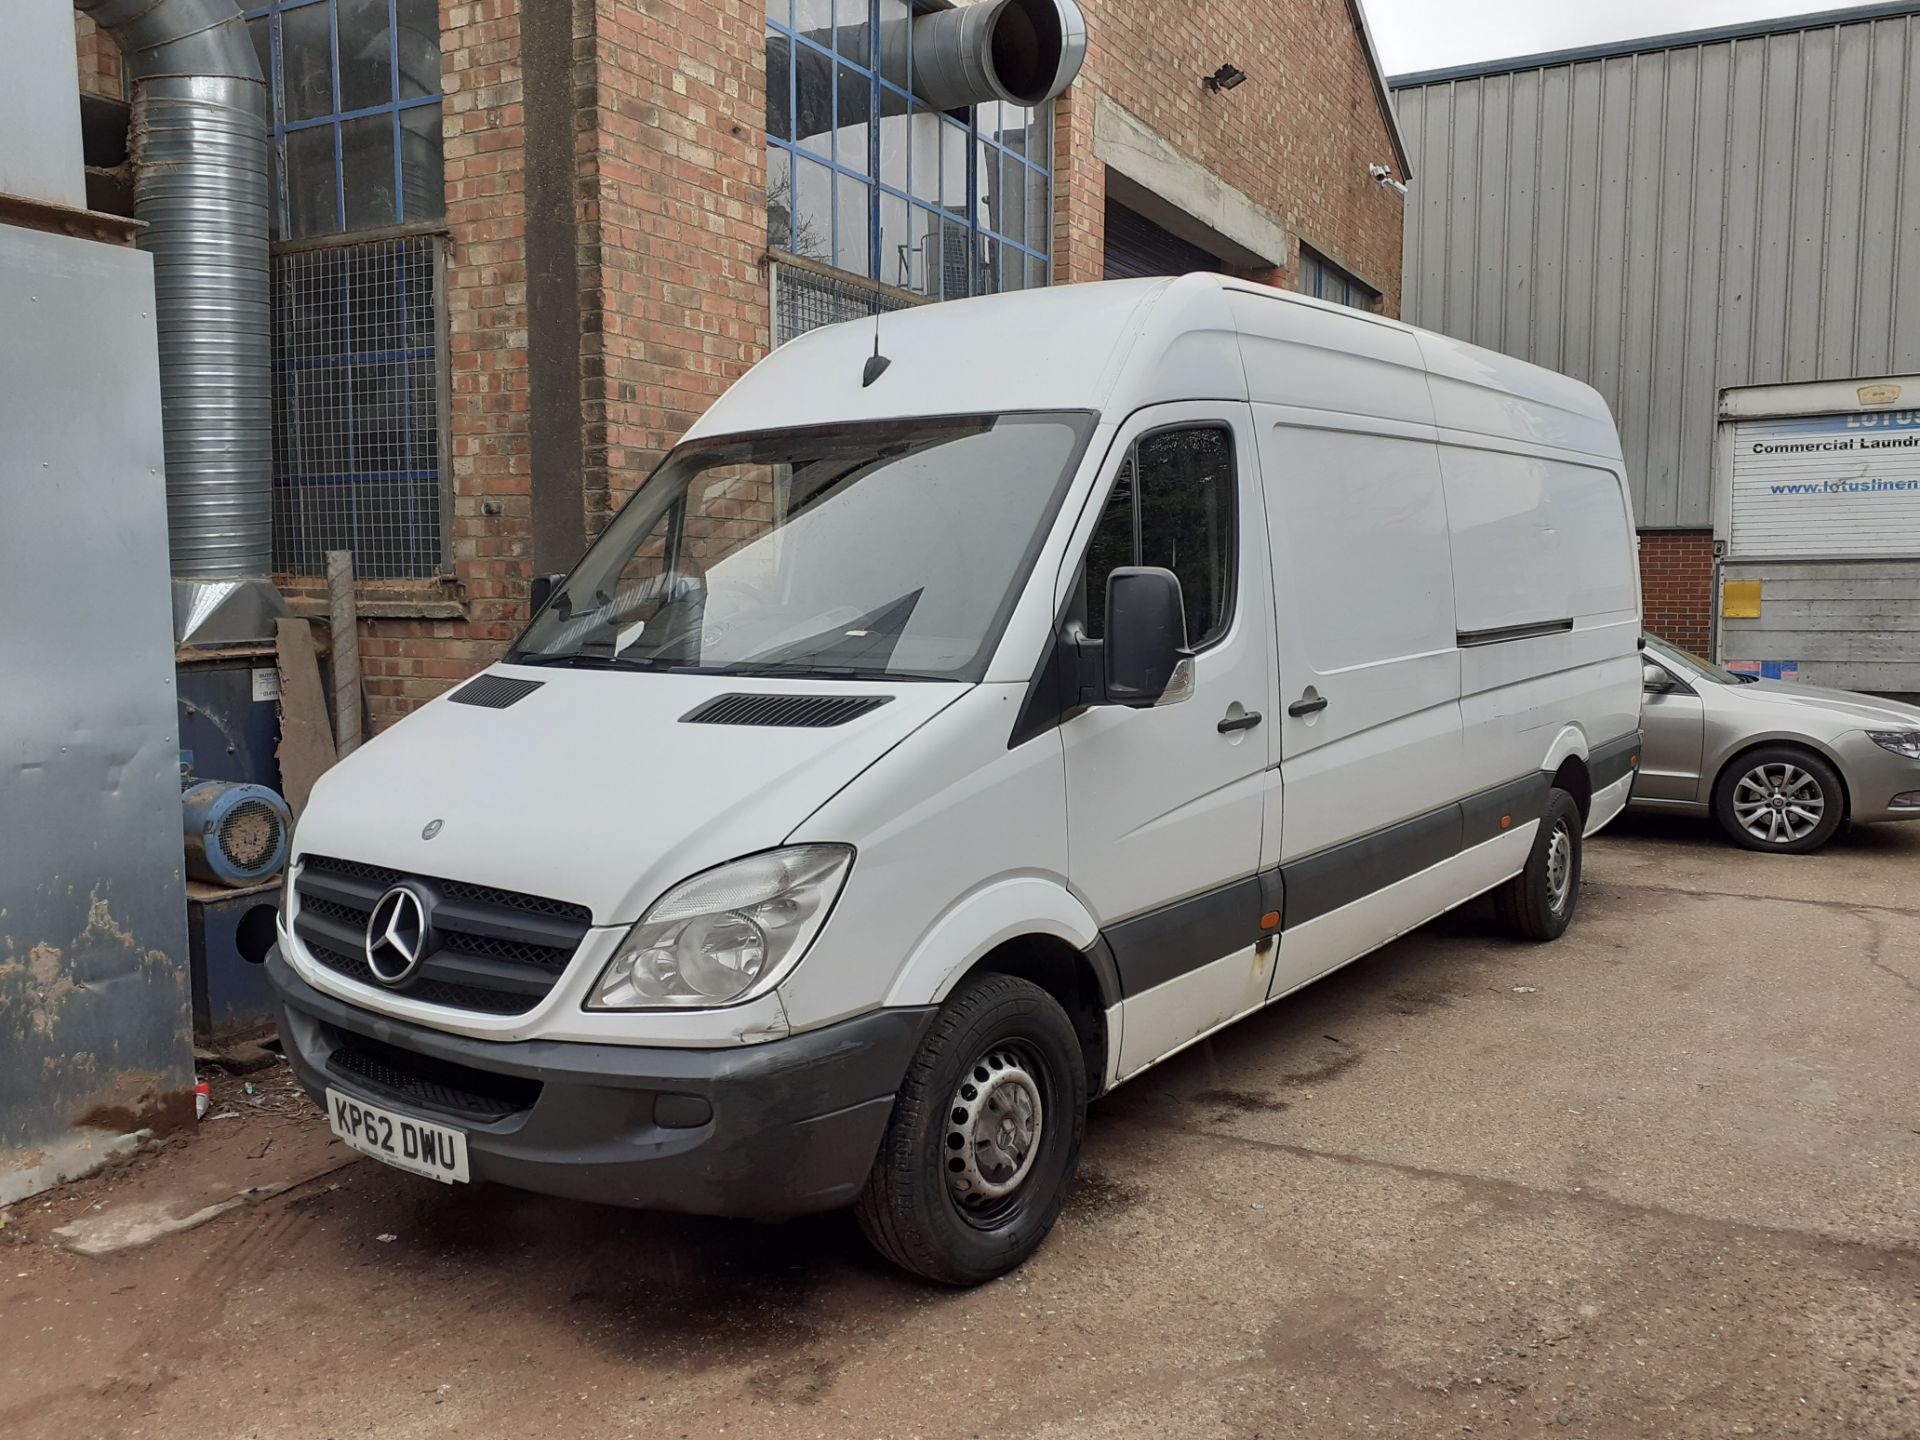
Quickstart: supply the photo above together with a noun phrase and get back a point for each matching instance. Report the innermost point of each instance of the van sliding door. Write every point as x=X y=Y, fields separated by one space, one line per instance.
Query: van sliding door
x=1369 y=738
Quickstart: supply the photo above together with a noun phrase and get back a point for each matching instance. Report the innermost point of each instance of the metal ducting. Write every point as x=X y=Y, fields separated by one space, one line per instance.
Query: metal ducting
x=1022 y=51
x=199 y=148
x=1025 y=51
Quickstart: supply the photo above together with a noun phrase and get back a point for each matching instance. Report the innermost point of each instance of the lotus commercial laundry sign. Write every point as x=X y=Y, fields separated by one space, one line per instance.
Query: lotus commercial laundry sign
x=1827 y=486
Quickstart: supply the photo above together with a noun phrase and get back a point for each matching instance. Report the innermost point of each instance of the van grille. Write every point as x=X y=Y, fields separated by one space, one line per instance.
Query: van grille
x=424 y=1081
x=499 y=952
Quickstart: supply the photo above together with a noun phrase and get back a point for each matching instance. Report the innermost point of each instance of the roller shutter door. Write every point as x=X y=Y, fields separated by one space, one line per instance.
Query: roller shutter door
x=1136 y=247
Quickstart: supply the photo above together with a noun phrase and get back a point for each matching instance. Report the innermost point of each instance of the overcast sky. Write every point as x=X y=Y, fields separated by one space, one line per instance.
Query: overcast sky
x=1430 y=34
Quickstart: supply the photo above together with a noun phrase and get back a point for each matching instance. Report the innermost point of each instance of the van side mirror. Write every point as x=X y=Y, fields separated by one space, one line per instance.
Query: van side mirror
x=543 y=588
x=1654 y=679
x=1146 y=657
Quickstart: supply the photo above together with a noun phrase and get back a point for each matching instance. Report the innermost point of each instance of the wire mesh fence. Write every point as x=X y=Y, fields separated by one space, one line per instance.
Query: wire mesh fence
x=357 y=448
x=805 y=299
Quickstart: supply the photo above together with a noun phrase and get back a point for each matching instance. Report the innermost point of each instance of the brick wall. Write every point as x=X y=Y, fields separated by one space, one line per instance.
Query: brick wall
x=1297 y=137
x=667 y=99
x=100 y=72
x=465 y=622
x=668 y=102
x=681 y=201
x=1676 y=586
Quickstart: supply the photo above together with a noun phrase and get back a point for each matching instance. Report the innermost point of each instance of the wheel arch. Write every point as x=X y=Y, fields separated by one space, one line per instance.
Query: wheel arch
x=1567 y=762
x=1032 y=927
x=1075 y=978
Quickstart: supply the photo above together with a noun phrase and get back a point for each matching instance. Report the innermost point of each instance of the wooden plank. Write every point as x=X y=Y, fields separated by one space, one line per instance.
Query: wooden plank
x=306 y=740
x=345 y=625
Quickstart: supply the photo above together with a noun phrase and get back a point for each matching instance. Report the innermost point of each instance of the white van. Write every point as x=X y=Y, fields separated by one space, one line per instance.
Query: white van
x=936 y=742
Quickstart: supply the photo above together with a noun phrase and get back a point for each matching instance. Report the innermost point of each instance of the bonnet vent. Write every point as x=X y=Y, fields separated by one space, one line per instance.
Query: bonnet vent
x=803 y=712
x=494 y=692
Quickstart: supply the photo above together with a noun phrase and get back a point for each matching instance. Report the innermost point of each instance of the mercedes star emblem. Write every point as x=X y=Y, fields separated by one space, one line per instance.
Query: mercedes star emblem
x=432 y=829
x=399 y=935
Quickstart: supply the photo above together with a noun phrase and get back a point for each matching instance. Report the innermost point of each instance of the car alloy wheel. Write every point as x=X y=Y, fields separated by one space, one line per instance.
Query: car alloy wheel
x=1779 y=803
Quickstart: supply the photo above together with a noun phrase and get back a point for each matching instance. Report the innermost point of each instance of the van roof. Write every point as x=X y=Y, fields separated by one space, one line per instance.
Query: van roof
x=1115 y=346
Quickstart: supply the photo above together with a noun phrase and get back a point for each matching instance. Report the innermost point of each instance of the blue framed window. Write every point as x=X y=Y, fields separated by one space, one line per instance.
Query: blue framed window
x=867 y=178
x=1324 y=280
x=356 y=113
x=358 y=443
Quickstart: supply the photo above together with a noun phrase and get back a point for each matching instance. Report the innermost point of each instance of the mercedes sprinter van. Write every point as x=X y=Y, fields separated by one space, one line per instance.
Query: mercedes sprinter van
x=938 y=741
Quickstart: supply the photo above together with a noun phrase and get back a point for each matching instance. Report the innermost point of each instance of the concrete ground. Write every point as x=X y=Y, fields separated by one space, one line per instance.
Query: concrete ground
x=1659 y=1179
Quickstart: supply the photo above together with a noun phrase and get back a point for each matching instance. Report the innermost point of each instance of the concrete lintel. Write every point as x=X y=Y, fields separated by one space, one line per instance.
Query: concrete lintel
x=1182 y=196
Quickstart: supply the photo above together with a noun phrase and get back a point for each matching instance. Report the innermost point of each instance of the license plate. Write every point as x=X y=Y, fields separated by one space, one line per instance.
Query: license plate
x=417 y=1145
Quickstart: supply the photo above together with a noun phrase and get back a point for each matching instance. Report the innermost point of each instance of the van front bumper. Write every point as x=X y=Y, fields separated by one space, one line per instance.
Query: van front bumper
x=755 y=1132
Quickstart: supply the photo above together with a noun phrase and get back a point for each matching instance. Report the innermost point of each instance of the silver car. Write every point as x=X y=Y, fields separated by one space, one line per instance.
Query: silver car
x=1781 y=766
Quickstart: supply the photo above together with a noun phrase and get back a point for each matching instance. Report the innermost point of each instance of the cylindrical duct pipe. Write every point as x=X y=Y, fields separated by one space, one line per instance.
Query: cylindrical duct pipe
x=1024 y=51
x=1021 y=51
x=199 y=150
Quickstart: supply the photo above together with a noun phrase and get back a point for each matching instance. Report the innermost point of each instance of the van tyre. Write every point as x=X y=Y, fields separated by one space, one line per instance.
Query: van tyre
x=1780 y=800
x=984 y=1139
x=1538 y=903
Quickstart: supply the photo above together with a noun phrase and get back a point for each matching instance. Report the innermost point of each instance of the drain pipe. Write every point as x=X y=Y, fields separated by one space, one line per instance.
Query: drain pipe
x=199 y=149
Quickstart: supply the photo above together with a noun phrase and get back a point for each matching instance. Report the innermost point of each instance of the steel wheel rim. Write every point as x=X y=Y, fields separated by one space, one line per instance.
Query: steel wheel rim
x=1779 y=803
x=996 y=1124
x=1559 y=866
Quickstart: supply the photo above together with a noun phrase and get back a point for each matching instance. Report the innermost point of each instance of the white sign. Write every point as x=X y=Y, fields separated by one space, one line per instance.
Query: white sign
x=266 y=684
x=1827 y=486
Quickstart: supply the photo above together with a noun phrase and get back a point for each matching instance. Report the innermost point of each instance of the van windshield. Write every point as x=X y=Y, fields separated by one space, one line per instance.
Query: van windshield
x=893 y=550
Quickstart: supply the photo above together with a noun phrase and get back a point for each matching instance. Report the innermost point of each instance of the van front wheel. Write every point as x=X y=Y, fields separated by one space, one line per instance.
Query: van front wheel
x=1538 y=903
x=984 y=1138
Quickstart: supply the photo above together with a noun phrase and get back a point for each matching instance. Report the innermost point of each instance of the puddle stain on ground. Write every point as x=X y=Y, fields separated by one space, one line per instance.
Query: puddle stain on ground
x=1328 y=1067
x=1240 y=1102
x=1097 y=1196
x=1421 y=996
x=805 y=1380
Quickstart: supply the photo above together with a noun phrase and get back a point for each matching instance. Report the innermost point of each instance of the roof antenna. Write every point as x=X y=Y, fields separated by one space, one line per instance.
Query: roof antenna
x=876 y=363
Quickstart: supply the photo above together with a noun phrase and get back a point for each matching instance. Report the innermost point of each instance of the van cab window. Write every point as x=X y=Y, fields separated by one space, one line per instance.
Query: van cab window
x=893 y=549
x=1172 y=506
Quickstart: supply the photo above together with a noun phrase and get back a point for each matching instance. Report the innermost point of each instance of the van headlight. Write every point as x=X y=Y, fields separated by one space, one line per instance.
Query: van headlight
x=1900 y=742
x=711 y=939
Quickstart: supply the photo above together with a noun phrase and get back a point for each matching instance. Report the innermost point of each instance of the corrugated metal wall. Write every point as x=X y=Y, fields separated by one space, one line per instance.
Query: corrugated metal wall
x=1667 y=224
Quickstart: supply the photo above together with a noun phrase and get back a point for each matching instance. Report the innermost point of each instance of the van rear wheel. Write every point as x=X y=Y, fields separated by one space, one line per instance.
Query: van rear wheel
x=984 y=1138
x=1538 y=903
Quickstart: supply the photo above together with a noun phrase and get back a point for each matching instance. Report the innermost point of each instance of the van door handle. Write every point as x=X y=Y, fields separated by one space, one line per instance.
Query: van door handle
x=1238 y=722
x=1307 y=707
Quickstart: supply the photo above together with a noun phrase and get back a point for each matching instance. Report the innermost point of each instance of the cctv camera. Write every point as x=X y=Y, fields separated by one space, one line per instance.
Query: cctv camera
x=1384 y=176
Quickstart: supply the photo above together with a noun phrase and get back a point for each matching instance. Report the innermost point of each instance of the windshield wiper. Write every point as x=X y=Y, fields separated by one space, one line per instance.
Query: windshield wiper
x=569 y=658
x=811 y=669
x=574 y=659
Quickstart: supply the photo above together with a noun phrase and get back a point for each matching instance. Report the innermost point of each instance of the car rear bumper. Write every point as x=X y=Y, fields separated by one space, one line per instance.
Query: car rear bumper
x=756 y=1132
